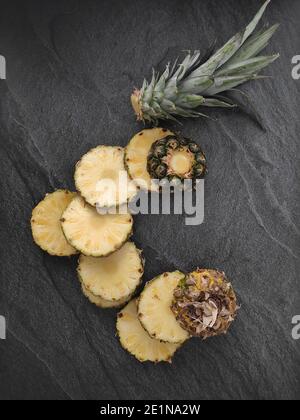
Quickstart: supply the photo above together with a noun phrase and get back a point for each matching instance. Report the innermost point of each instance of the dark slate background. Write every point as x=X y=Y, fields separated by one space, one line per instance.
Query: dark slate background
x=71 y=66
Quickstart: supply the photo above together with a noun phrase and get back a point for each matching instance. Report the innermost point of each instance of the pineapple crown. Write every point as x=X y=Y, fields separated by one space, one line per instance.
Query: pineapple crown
x=198 y=81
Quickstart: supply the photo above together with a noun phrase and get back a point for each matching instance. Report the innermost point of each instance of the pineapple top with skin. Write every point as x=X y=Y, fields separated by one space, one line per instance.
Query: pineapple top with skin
x=199 y=81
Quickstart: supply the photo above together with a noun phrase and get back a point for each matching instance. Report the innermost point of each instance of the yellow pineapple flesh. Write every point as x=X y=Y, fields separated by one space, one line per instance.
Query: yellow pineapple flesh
x=136 y=341
x=136 y=155
x=101 y=177
x=154 y=309
x=95 y=234
x=113 y=277
x=46 y=226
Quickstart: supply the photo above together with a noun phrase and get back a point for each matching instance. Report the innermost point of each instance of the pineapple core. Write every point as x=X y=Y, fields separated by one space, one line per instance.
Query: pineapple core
x=181 y=162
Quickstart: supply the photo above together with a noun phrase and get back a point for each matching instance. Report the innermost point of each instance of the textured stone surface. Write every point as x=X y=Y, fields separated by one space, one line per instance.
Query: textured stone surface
x=71 y=67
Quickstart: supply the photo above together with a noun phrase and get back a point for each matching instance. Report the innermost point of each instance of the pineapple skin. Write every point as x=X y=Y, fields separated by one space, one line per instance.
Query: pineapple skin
x=43 y=246
x=140 y=314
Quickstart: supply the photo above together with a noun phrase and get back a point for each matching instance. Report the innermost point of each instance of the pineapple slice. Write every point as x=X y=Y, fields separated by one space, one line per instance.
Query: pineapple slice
x=95 y=234
x=136 y=155
x=101 y=177
x=113 y=277
x=103 y=303
x=137 y=342
x=45 y=223
x=154 y=309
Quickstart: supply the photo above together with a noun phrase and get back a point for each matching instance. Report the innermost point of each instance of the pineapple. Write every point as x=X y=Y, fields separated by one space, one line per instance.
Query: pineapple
x=205 y=303
x=45 y=223
x=101 y=178
x=136 y=154
x=136 y=341
x=154 y=309
x=176 y=158
x=197 y=82
x=95 y=234
x=102 y=303
x=114 y=277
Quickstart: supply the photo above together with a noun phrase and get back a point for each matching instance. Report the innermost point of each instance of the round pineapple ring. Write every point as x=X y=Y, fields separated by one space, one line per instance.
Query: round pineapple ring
x=101 y=177
x=45 y=223
x=113 y=277
x=95 y=234
x=102 y=303
x=137 y=342
x=136 y=155
x=154 y=309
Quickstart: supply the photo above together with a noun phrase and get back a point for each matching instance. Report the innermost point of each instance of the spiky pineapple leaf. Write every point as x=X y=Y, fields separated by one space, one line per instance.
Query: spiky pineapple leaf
x=250 y=66
x=224 y=53
x=253 y=46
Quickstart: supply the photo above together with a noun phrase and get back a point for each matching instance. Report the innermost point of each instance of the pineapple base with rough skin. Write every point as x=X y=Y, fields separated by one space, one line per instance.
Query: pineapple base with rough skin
x=204 y=303
x=137 y=342
x=114 y=277
x=46 y=227
x=154 y=309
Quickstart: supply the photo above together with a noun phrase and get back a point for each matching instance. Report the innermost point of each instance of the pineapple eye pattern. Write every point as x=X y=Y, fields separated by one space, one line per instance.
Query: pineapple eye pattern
x=175 y=158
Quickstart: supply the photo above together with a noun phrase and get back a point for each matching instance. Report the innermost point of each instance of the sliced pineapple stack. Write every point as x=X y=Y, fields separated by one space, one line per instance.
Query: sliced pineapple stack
x=46 y=226
x=66 y=223
x=111 y=280
x=147 y=327
x=173 y=306
x=137 y=341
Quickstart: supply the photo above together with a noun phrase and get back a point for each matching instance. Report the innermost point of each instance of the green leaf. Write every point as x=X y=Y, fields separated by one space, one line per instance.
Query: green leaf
x=247 y=67
x=213 y=102
x=223 y=83
x=189 y=113
x=149 y=89
x=195 y=85
x=168 y=105
x=189 y=101
x=253 y=46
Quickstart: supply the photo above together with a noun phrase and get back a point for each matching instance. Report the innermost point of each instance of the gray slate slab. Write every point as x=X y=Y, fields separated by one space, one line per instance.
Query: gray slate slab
x=71 y=66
